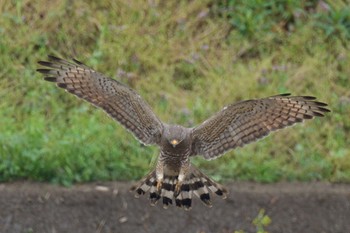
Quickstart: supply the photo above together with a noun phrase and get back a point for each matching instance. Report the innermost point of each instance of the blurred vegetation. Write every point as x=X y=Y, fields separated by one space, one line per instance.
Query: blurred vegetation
x=261 y=221
x=187 y=59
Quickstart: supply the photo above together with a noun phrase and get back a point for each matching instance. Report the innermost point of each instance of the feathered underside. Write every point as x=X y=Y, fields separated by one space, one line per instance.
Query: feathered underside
x=119 y=101
x=235 y=125
x=247 y=121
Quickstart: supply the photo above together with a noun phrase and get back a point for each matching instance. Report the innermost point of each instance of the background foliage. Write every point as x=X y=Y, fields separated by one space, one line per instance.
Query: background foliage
x=196 y=56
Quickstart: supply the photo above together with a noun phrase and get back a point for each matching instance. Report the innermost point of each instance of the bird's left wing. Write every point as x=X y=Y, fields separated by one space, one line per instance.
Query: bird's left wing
x=119 y=101
x=244 y=122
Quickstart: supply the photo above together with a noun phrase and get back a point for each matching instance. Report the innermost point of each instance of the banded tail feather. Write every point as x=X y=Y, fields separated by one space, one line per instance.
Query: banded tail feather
x=196 y=183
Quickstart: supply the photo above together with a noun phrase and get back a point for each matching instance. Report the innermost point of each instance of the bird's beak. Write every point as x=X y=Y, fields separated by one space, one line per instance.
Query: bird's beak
x=174 y=142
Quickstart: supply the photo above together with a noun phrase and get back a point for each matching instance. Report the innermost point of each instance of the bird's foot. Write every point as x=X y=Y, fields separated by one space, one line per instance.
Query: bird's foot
x=159 y=186
x=177 y=188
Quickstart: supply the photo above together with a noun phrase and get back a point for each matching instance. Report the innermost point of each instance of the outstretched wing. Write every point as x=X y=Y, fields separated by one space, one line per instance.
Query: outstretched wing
x=244 y=122
x=119 y=101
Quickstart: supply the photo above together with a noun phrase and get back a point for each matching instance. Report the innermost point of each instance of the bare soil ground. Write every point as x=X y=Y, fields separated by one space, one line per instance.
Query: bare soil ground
x=109 y=207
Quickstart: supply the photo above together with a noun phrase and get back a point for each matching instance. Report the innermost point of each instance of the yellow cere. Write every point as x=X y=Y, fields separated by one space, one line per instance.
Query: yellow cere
x=174 y=142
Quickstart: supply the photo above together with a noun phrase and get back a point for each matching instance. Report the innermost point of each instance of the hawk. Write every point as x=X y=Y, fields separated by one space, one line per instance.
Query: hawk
x=174 y=177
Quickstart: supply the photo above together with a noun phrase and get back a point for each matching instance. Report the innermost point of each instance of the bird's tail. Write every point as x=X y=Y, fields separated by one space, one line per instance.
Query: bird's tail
x=195 y=183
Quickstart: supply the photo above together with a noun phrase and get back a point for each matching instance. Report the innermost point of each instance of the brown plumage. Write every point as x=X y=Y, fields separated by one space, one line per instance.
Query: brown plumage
x=175 y=178
x=247 y=121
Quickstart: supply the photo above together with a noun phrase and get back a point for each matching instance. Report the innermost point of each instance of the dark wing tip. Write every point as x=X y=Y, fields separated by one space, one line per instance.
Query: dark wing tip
x=323 y=109
x=285 y=94
x=78 y=62
x=43 y=71
x=50 y=79
x=45 y=63
x=62 y=85
x=309 y=97
x=53 y=58
x=320 y=104
x=307 y=116
x=298 y=120
x=318 y=114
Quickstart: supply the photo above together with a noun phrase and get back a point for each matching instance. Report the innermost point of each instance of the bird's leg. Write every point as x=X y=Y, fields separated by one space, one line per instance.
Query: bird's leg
x=159 y=185
x=160 y=176
x=181 y=177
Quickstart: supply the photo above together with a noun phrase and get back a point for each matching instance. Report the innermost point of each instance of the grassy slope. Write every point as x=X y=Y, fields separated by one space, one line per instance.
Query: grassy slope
x=187 y=64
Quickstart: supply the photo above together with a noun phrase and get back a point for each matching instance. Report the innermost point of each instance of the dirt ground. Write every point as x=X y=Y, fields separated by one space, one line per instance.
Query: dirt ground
x=27 y=207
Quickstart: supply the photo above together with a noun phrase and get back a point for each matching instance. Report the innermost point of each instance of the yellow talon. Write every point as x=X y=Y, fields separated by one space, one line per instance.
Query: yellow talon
x=159 y=185
x=177 y=188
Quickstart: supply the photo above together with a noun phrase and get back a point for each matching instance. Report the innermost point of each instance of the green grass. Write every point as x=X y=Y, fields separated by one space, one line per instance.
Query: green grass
x=187 y=59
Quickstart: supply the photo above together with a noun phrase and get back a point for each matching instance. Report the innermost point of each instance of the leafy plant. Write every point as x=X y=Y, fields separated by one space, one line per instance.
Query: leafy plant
x=335 y=23
x=261 y=221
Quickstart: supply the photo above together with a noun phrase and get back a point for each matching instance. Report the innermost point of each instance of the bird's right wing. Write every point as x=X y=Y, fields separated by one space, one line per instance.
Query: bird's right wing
x=119 y=101
x=244 y=122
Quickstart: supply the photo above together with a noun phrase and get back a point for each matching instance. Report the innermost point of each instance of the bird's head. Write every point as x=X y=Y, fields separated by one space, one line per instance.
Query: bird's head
x=175 y=134
x=174 y=142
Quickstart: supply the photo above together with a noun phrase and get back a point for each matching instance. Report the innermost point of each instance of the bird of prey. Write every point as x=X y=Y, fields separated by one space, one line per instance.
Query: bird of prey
x=174 y=177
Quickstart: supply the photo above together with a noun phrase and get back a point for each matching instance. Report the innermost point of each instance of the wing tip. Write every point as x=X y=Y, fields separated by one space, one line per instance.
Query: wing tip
x=62 y=85
x=308 y=97
x=323 y=109
x=285 y=94
x=58 y=59
x=308 y=116
x=321 y=104
x=78 y=62
x=43 y=71
x=53 y=58
x=45 y=63
x=50 y=79
x=318 y=114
